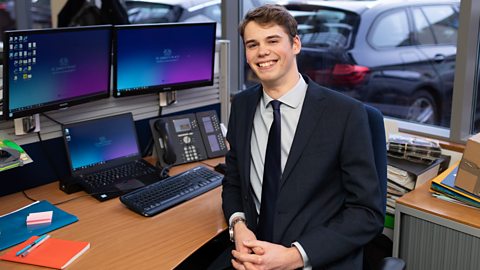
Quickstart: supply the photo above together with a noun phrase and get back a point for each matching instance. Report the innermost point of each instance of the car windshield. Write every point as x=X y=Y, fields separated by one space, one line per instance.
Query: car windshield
x=325 y=28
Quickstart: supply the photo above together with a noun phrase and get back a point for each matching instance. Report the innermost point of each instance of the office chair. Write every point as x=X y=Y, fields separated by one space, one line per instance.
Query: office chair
x=379 y=142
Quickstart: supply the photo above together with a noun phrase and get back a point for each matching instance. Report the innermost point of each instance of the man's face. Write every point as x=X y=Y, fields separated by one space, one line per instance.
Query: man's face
x=270 y=53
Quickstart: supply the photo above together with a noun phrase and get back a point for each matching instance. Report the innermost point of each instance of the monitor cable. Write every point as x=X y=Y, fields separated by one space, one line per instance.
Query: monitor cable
x=51 y=119
x=71 y=199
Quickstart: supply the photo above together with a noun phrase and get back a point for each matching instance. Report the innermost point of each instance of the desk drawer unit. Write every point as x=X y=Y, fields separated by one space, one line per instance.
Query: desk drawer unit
x=425 y=241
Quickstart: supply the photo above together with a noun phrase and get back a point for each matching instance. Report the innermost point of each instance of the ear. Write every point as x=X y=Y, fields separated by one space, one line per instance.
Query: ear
x=297 y=45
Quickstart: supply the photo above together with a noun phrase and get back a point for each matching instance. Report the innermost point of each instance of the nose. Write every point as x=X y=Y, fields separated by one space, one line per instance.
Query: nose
x=264 y=51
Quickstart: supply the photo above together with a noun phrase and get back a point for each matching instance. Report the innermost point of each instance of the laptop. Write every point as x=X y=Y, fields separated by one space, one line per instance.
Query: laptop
x=105 y=158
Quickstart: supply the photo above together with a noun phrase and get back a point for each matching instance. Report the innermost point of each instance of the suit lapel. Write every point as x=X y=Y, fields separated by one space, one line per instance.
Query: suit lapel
x=250 y=108
x=311 y=112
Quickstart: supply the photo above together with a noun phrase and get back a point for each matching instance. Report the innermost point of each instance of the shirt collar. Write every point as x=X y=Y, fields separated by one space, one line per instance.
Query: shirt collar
x=293 y=97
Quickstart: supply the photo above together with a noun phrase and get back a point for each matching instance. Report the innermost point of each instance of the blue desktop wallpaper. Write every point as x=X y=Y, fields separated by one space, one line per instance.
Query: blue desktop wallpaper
x=101 y=141
x=61 y=66
x=165 y=55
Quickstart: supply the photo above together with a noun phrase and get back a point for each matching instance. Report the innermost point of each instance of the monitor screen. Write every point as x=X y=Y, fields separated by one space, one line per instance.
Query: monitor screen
x=163 y=57
x=49 y=69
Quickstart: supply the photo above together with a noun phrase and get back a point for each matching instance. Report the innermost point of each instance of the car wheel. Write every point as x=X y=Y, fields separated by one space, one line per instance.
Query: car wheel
x=422 y=108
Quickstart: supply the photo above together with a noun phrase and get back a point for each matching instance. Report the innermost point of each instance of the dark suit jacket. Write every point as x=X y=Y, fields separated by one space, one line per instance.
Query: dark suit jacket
x=329 y=198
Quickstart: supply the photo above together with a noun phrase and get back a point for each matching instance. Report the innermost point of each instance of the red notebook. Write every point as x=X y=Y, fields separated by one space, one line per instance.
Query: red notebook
x=53 y=253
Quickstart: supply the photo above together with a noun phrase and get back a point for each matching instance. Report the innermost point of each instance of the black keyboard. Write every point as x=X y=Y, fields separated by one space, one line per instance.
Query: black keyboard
x=108 y=177
x=157 y=197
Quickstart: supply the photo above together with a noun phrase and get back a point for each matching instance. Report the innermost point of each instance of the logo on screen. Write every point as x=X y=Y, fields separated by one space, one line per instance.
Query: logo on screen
x=64 y=66
x=102 y=142
x=167 y=56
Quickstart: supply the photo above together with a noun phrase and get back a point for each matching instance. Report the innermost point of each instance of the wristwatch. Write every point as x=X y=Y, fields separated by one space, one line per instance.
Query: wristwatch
x=232 y=225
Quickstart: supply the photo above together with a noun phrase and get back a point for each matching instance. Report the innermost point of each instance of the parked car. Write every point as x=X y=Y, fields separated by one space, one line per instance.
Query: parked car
x=166 y=11
x=398 y=56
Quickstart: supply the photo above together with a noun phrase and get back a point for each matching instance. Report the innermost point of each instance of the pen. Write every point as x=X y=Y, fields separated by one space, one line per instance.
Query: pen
x=24 y=251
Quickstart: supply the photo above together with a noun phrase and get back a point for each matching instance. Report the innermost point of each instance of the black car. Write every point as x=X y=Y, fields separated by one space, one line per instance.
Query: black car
x=169 y=11
x=398 y=56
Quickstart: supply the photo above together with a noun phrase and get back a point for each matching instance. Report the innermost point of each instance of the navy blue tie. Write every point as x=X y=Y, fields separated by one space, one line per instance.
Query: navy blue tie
x=272 y=172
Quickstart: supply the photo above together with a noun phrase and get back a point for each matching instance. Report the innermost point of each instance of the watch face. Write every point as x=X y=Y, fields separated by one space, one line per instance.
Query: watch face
x=230 y=232
x=230 y=228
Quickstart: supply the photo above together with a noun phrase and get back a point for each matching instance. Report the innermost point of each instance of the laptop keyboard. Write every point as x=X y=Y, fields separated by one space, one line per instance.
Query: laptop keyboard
x=157 y=197
x=110 y=176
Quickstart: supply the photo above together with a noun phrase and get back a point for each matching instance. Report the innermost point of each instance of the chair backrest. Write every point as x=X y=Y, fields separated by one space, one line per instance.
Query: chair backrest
x=377 y=130
x=377 y=253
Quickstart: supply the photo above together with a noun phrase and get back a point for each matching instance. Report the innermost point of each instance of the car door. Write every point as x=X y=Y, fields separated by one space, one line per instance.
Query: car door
x=436 y=37
x=397 y=68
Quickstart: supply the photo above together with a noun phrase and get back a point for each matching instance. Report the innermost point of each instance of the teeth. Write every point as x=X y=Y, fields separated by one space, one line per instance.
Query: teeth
x=266 y=64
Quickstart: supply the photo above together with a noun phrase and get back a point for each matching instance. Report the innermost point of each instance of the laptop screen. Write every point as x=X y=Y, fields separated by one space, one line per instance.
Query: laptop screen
x=99 y=142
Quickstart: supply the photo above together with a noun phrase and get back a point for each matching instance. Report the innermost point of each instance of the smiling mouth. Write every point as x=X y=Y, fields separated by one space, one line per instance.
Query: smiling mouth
x=267 y=64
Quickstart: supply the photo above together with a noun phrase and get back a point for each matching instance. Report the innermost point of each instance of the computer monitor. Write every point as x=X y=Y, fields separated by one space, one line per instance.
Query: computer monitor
x=48 y=69
x=163 y=57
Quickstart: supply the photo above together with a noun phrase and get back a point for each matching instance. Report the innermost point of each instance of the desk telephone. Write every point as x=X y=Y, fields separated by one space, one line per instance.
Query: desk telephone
x=187 y=138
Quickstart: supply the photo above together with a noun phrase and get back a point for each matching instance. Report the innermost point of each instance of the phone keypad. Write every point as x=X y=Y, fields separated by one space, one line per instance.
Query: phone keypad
x=190 y=153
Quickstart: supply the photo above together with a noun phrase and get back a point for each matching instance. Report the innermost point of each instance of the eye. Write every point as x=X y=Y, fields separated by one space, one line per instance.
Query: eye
x=251 y=45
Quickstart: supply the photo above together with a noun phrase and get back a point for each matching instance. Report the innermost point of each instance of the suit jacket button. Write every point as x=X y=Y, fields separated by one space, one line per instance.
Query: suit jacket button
x=245 y=198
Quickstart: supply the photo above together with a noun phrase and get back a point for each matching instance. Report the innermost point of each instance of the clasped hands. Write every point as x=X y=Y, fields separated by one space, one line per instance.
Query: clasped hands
x=253 y=254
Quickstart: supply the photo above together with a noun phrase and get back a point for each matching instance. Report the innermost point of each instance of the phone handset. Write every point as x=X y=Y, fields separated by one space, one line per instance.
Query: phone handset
x=165 y=141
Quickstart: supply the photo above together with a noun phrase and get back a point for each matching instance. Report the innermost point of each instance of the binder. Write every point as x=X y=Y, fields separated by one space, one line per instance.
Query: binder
x=53 y=253
x=14 y=228
x=421 y=173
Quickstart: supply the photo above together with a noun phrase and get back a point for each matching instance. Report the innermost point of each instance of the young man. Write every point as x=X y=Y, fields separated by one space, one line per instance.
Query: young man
x=314 y=200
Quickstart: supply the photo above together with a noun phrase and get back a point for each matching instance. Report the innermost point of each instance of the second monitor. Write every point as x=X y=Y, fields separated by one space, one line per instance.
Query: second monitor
x=163 y=57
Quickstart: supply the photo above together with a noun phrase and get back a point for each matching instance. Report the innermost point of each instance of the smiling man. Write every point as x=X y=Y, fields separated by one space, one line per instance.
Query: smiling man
x=300 y=189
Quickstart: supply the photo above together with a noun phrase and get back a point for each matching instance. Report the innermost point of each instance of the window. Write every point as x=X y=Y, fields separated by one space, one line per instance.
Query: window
x=476 y=99
x=430 y=28
x=476 y=114
x=444 y=22
x=15 y=14
x=422 y=28
x=324 y=28
x=391 y=30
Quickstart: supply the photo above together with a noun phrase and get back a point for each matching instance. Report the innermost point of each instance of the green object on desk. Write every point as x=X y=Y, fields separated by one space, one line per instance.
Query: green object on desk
x=13 y=226
x=24 y=157
x=389 y=221
x=11 y=144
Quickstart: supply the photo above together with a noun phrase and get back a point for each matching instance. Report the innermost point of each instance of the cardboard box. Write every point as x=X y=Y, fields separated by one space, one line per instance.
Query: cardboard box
x=468 y=176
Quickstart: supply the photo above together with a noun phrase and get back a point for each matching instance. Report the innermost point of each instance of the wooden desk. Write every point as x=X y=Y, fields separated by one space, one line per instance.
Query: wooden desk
x=431 y=233
x=122 y=239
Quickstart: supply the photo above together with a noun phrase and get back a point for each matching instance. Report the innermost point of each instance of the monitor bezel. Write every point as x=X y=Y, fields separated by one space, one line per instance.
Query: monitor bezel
x=155 y=89
x=59 y=104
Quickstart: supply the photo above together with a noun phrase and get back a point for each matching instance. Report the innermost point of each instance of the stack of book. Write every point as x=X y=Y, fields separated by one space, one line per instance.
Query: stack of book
x=403 y=176
x=411 y=162
x=414 y=149
x=445 y=189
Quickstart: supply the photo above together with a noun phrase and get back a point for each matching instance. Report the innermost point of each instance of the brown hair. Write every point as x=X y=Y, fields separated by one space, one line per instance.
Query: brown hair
x=271 y=14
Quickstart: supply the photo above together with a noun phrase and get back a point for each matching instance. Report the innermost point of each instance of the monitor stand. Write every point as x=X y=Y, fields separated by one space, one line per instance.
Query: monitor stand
x=167 y=98
x=27 y=124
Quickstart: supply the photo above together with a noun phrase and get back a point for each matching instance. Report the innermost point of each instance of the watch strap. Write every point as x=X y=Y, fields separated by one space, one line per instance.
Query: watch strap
x=232 y=226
